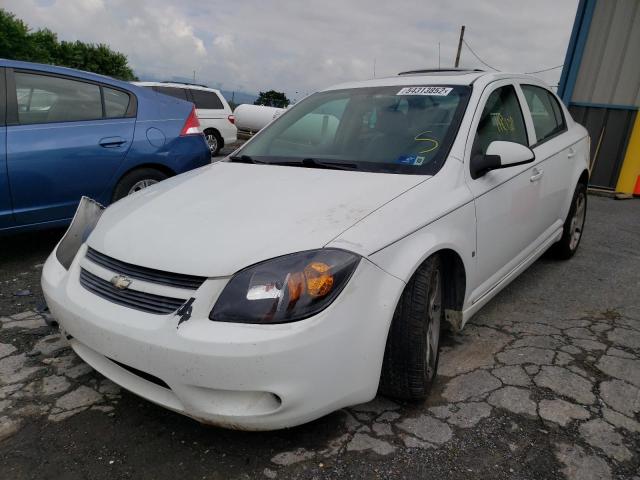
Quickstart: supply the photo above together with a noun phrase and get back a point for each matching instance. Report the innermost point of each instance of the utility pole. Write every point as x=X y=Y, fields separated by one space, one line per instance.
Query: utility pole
x=374 y=68
x=459 y=46
x=194 y=76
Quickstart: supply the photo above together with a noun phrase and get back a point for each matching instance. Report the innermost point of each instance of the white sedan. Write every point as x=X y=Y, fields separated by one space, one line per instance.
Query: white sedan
x=314 y=267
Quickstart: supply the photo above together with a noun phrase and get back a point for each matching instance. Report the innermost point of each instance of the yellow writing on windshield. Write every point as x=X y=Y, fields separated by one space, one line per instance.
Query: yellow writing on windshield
x=422 y=138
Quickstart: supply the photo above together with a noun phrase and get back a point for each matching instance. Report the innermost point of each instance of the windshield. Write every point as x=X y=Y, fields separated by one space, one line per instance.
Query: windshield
x=378 y=129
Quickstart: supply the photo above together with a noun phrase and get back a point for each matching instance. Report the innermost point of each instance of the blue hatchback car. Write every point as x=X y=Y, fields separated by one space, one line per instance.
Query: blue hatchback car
x=66 y=133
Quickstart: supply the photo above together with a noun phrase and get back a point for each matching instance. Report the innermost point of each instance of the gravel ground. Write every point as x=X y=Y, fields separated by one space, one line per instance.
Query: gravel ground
x=544 y=382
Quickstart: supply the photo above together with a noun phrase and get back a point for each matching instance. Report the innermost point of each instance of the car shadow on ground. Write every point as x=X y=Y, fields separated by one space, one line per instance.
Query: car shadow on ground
x=22 y=256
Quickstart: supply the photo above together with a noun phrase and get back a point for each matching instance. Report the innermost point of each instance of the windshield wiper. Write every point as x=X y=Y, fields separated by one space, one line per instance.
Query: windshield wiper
x=245 y=159
x=313 y=163
x=305 y=162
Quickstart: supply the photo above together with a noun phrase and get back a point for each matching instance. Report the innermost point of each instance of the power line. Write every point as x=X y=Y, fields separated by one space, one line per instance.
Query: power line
x=497 y=70
x=546 y=69
x=479 y=59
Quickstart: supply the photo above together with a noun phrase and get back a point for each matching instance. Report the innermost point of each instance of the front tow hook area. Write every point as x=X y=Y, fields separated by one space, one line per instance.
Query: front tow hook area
x=43 y=310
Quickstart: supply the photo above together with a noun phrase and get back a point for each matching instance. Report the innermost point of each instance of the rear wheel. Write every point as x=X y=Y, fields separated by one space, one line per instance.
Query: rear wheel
x=137 y=180
x=566 y=247
x=413 y=344
x=213 y=140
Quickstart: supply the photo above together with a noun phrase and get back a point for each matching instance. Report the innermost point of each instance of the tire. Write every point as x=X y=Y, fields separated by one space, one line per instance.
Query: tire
x=410 y=359
x=137 y=180
x=214 y=140
x=573 y=228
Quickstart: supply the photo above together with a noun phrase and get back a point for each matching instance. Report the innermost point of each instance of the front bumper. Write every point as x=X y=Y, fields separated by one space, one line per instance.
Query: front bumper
x=255 y=377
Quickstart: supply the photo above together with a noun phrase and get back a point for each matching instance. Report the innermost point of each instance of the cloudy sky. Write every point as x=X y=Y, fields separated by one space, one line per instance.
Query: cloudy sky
x=301 y=46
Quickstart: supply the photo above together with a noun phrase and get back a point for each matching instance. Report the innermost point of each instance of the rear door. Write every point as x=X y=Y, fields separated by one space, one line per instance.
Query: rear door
x=208 y=105
x=6 y=213
x=176 y=92
x=552 y=150
x=66 y=137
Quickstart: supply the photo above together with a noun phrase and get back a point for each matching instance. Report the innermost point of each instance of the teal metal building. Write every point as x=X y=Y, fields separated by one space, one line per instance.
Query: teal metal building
x=600 y=84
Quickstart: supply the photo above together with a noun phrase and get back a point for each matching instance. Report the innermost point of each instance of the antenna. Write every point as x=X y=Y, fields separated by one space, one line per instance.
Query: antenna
x=459 y=46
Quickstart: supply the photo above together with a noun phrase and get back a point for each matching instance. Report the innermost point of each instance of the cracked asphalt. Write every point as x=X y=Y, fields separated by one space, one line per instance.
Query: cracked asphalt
x=544 y=382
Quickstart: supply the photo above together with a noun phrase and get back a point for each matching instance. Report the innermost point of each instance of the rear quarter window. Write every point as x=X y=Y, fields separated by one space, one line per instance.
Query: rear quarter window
x=116 y=103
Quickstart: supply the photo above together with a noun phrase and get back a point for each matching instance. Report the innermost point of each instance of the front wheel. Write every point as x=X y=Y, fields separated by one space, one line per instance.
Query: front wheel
x=413 y=344
x=566 y=247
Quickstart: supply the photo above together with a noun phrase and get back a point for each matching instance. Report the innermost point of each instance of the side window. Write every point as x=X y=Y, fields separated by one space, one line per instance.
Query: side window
x=204 y=99
x=545 y=111
x=116 y=103
x=501 y=120
x=180 y=93
x=46 y=99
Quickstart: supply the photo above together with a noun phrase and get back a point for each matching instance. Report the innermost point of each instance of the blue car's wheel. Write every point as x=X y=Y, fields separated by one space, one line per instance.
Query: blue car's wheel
x=137 y=180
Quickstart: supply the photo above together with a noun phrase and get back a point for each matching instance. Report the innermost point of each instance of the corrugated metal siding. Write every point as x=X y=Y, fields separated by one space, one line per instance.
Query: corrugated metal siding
x=610 y=68
x=609 y=129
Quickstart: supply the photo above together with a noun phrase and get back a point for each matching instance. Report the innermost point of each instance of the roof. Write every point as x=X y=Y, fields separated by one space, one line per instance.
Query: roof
x=43 y=67
x=190 y=86
x=436 y=77
x=441 y=71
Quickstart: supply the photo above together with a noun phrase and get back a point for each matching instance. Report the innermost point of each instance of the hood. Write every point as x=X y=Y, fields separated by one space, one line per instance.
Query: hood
x=218 y=219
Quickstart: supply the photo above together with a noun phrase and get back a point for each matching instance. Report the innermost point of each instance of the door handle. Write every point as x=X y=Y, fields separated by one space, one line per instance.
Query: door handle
x=537 y=175
x=112 y=142
x=572 y=153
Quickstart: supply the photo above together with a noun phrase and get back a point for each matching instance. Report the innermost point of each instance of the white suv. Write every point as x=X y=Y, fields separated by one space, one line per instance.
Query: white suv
x=215 y=115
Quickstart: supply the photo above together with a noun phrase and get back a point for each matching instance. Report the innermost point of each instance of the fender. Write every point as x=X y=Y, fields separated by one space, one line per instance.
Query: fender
x=448 y=234
x=447 y=224
x=581 y=164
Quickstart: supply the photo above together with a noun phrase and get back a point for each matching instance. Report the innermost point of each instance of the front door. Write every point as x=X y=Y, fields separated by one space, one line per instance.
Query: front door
x=506 y=200
x=67 y=139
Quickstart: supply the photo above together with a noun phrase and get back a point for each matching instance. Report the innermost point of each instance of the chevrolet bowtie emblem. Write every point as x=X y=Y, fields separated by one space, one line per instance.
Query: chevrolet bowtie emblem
x=120 y=282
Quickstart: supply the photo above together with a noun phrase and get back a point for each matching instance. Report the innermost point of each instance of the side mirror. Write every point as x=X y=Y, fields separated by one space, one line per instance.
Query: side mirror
x=500 y=155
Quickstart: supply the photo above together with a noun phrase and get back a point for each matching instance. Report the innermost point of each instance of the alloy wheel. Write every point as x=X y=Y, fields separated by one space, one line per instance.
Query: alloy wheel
x=141 y=185
x=212 y=141
x=577 y=221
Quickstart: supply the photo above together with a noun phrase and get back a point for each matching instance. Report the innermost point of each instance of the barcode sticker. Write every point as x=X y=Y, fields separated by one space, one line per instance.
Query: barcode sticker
x=432 y=91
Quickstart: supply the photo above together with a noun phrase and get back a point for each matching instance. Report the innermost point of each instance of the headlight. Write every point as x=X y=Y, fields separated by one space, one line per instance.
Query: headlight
x=83 y=223
x=285 y=289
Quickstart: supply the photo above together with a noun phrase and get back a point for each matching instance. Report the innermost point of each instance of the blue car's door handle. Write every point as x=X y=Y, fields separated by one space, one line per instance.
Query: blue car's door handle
x=112 y=142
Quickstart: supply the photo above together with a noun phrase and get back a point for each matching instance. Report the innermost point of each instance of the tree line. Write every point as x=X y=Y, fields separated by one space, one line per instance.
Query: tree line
x=19 y=42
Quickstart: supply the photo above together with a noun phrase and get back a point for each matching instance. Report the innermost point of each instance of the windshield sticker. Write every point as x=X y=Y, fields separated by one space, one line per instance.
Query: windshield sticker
x=431 y=91
x=415 y=160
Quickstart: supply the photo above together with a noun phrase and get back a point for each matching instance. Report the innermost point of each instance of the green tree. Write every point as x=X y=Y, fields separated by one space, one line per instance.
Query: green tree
x=272 y=99
x=17 y=42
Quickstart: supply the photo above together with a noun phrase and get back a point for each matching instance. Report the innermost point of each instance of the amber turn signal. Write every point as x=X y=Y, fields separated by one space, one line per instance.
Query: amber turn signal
x=319 y=280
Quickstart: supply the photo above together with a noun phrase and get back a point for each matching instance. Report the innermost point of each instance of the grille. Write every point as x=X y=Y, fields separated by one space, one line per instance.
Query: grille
x=190 y=282
x=147 y=302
